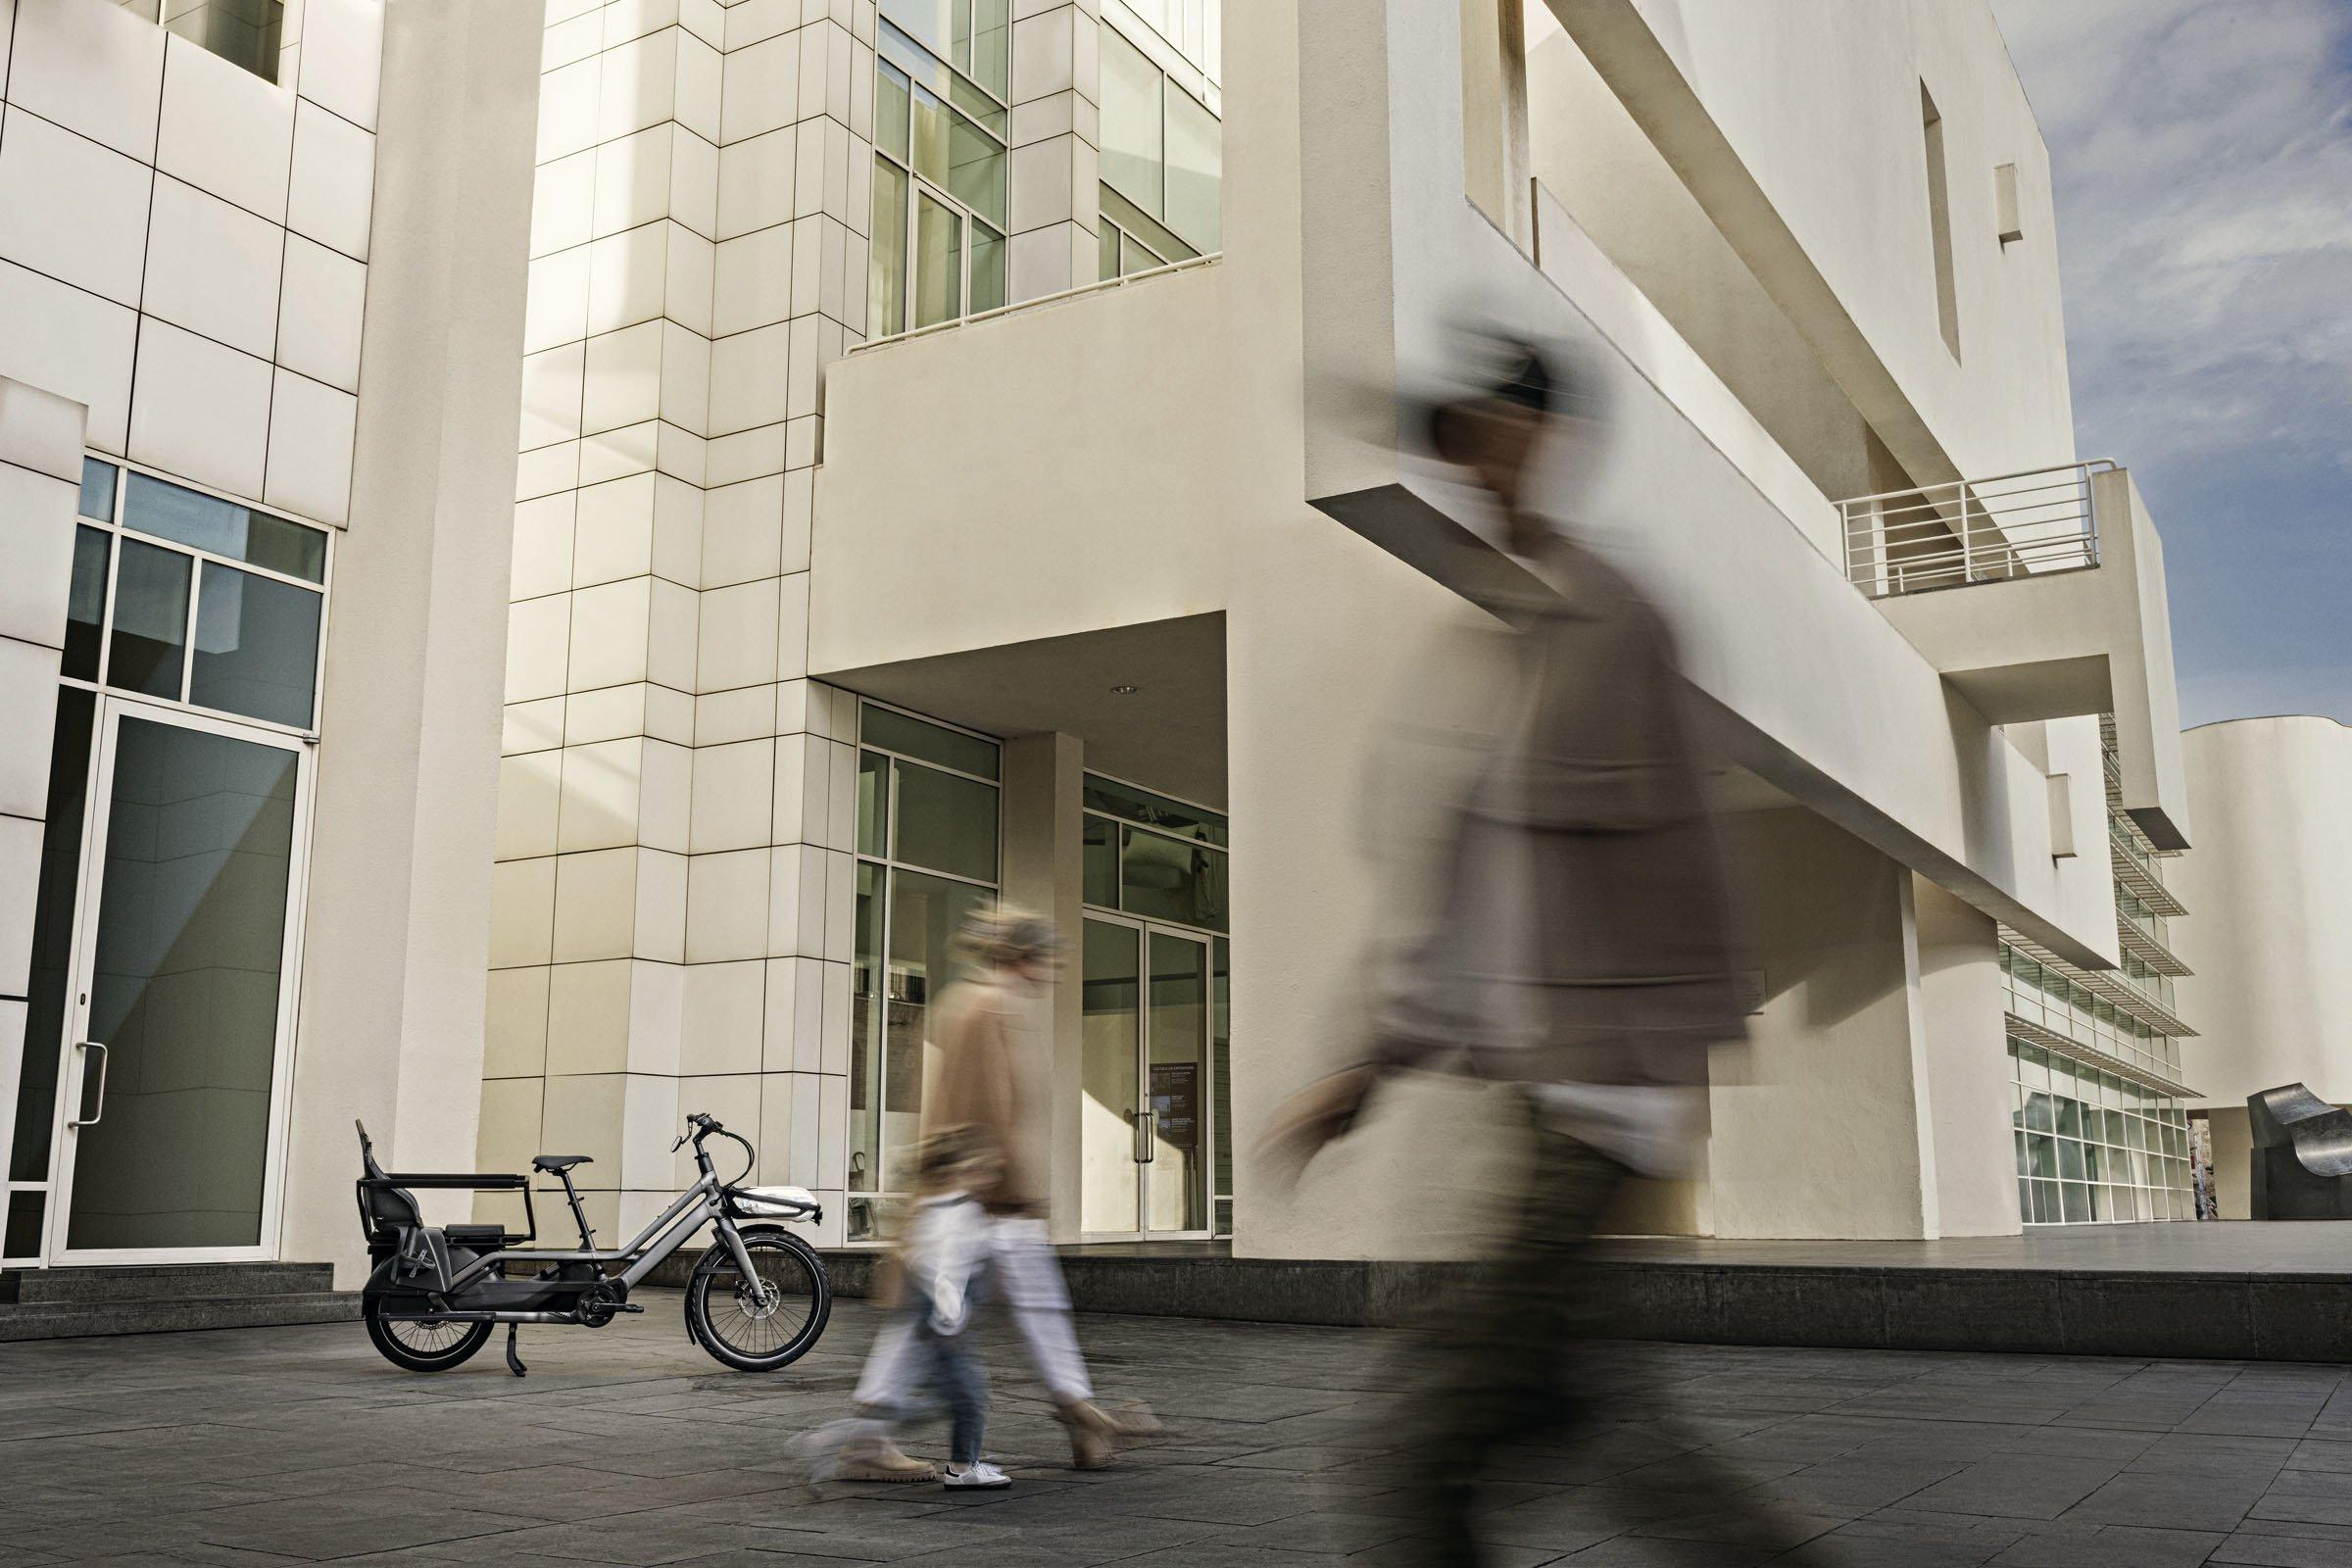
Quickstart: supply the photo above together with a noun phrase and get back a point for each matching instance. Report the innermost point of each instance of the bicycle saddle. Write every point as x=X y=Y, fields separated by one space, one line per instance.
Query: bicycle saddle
x=559 y=1163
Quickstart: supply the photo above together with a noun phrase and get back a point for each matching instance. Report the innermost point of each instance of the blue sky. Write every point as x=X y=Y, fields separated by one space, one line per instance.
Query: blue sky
x=2202 y=152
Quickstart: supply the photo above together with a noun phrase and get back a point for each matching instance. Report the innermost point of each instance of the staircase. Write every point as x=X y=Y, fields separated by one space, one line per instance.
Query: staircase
x=59 y=1303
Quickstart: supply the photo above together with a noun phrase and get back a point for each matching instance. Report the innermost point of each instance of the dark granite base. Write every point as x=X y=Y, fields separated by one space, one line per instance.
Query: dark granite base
x=63 y=1303
x=2208 y=1314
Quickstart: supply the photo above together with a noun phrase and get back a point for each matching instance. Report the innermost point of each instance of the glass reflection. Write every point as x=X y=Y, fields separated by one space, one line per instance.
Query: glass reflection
x=184 y=990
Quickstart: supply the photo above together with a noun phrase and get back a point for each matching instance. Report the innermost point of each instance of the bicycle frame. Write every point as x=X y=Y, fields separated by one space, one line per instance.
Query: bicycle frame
x=702 y=1203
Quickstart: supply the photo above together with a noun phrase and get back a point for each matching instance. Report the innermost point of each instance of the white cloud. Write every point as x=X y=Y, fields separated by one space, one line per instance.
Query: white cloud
x=2202 y=151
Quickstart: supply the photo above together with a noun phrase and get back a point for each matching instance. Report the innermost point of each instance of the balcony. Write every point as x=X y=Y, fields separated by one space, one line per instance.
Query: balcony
x=2039 y=594
x=1972 y=531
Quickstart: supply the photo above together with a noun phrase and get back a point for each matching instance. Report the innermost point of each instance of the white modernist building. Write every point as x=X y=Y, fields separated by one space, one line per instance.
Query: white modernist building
x=921 y=454
x=2274 y=922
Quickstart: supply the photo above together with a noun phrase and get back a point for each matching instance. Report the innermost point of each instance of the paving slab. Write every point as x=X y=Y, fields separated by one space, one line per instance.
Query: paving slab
x=627 y=1447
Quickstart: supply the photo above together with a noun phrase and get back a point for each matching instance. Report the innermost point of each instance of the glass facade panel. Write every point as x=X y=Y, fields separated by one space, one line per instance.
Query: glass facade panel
x=1133 y=128
x=976 y=169
x=988 y=269
x=1159 y=812
x=148 y=648
x=1195 y=163
x=886 y=270
x=867 y=1005
x=86 y=603
x=873 y=804
x=891 y=99
x=925 y=914
x=906 y=924
x=1220 y=1073
x=2094 y=1146
x=97 y=490
x=1102 y=863
x=1167 y=879
x=1107 y=252
x=945 y=824
x=257 y=646
x=931 y=155
x=992 y=45
x=224 y=528
x=938 y=261
x=910 y=736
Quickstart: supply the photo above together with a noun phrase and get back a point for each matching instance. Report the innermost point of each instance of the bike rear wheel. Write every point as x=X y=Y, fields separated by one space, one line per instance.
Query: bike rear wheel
x=759 y=1326
x=422 y=1346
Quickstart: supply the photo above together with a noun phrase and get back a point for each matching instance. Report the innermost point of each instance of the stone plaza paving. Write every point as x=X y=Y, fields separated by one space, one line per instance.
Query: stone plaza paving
x=628 y=1446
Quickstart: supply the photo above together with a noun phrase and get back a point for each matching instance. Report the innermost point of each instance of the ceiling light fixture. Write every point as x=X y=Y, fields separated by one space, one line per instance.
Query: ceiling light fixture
x=1124 y=690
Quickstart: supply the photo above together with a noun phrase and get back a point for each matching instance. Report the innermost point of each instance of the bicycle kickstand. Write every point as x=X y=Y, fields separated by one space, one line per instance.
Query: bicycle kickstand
x=514 y=1362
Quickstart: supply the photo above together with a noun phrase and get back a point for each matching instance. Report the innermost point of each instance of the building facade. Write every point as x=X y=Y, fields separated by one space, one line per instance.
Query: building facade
x=2273 y=923
x=919 y=454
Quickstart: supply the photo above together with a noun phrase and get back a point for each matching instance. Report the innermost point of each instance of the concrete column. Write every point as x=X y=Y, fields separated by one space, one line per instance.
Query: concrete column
x=1057 y=130
x=1968 y=1092
x=40 y=473
x=1044 y=848
x=392 y=999
x=1820 y=1119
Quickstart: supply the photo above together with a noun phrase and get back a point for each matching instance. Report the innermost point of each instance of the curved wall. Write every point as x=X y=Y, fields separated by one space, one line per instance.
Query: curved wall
x=2268 y=888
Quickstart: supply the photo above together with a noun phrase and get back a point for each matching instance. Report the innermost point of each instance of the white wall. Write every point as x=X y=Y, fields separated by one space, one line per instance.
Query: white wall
x=2269 y=890
x=1820 y=103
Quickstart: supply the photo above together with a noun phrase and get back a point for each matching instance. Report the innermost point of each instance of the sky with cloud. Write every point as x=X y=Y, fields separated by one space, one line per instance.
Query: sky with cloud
x=2202 y=152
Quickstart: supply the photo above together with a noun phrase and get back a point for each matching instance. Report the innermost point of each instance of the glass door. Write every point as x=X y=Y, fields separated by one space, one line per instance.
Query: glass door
x=1176 y=1083
x=1146 y=1081
x=1110 y=1180
x=171 y=1124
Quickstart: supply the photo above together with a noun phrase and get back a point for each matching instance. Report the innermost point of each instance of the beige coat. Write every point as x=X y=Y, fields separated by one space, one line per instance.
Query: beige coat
x=1614 y=943
x=983 y=1102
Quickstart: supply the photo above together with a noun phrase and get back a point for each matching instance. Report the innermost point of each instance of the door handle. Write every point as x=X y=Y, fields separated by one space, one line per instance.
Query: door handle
x=1145 y=1149
x=99 y=1046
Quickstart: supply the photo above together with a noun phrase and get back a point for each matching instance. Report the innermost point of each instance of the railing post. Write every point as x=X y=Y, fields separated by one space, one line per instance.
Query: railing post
x=1968 y=561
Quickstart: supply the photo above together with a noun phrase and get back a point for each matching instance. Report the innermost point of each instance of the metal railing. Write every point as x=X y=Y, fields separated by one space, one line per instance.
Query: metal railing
x=1102 y=286
x=1973 y=530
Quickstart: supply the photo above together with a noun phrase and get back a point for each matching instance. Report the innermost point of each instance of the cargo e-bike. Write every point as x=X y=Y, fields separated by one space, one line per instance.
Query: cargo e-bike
x=757 y=1300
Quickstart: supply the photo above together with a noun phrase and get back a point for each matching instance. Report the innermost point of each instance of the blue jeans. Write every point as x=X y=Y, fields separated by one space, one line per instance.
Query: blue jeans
x=945 y=1367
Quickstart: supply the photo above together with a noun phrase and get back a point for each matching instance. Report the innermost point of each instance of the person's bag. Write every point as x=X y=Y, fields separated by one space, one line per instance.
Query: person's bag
x=947 y=1244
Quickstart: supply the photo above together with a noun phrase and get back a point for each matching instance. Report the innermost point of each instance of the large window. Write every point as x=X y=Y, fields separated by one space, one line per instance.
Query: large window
x=928 y=856
x=937 y=248
x=2094 y=1147
x=194 y=598
x=1162 y=163
x=244 y=32
x=1150 y=855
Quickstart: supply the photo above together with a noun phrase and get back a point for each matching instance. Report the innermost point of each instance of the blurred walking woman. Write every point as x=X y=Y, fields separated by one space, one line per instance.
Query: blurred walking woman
x=986 y=1104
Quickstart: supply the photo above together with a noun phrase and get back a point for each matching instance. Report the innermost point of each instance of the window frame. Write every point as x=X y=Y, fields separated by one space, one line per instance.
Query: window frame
x=880 y=1199
x=117 y=530
x=919 y=187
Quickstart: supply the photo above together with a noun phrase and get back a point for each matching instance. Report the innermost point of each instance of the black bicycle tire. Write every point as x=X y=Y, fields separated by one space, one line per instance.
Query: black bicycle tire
x=400 y=1355
x=698 y=1292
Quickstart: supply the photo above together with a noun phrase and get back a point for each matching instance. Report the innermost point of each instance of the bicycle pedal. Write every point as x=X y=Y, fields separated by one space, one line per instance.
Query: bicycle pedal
x=628 y=1306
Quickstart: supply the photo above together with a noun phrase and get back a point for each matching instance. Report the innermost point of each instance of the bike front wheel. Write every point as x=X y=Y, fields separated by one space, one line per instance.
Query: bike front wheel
x=422 y=1346
x=762 y=1323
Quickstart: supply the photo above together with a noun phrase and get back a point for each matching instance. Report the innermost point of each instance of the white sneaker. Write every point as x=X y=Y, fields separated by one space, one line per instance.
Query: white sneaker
x=981 y=1475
